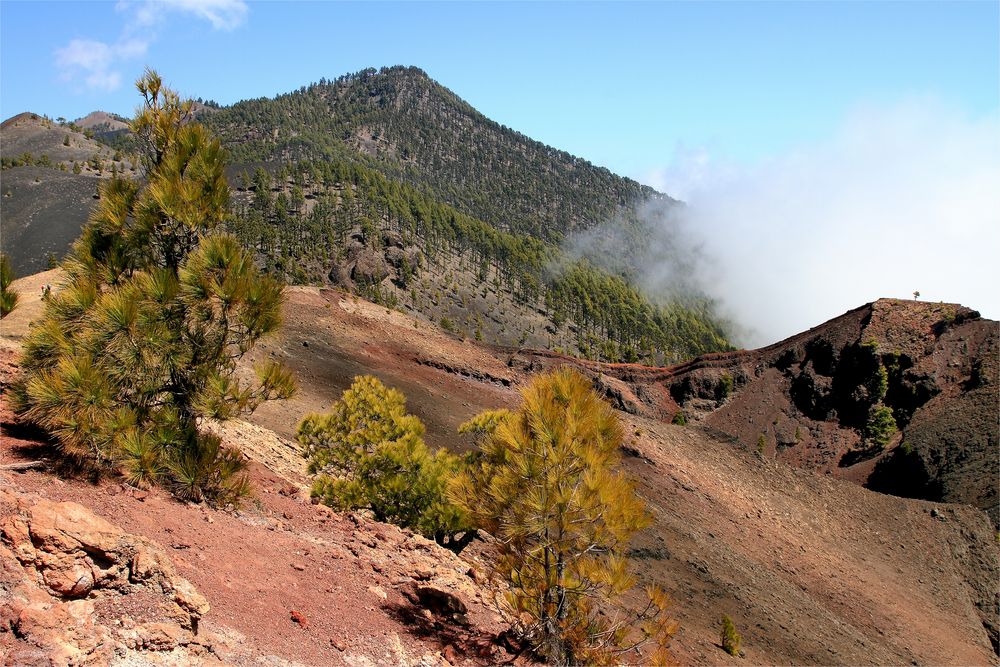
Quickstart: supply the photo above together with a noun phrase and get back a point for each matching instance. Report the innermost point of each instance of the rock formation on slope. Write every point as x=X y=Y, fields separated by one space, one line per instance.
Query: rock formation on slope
x=78 y=590
x=806 y=400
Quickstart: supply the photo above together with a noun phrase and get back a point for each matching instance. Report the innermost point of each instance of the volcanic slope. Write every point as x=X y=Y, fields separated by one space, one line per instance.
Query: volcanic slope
x=88 y=569
x=732 y=527
x=813 y=569
x=806 y=400
x=50 y=177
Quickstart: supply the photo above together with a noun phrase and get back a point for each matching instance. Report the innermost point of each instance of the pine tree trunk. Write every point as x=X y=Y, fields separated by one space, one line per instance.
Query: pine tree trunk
x=562 y=611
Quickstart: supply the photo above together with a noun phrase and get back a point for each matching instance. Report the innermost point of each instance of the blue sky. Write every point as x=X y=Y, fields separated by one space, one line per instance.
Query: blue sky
x=831 y=153
x=621 y=84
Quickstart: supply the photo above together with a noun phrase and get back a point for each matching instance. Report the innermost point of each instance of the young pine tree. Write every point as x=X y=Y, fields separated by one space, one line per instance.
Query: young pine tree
x=548 y=488
x=141 y=343
x=729 y=637
x=368 y=453
x=8 y=297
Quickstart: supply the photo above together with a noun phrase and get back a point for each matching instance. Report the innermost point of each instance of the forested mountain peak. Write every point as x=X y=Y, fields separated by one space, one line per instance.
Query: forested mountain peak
x=386 y=183
x=411 y=127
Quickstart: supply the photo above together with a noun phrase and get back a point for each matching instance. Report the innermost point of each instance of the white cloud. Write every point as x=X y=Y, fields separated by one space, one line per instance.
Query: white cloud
x=900 y=199
x=222 y=14
x=94 y=63
x=97 y=65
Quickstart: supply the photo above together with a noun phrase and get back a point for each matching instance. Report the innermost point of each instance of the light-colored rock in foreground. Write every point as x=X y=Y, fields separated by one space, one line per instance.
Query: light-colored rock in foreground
x=76 y=590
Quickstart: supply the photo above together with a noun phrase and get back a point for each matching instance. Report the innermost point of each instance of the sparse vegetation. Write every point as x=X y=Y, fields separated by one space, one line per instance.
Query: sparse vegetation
x=881 y=426
x=8 y=297
x=142 y=343
x=549 y=488
x=729 y=637
x=724 y=388
x=23 y=160
x=861 y=379
x=860 y=382
x=368 y=453
x=680 y=419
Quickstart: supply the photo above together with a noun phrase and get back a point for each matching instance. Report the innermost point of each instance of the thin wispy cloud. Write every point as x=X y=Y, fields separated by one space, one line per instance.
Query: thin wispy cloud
x=95 y=64
x=91 y=65
x=222 y=14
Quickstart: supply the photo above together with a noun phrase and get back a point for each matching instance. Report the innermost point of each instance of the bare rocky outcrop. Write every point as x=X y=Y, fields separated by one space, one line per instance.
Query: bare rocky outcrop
x=369 y=266
x=370 y=263
x=436 y=582
x=78 y=590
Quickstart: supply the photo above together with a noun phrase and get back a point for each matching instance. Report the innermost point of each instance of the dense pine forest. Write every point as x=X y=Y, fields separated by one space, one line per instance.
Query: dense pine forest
x=387 y=184
x=350 y=225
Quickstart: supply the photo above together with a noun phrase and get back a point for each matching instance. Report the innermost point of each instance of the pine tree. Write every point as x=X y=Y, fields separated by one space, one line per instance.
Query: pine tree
x=368 y=453
x=548 y=488
x=729 y=637
x=881 y=426
x=8 y=297
x=141 y=343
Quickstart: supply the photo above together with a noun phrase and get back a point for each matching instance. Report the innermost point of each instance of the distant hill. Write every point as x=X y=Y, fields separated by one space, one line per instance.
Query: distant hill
x=106 y=127
x=46 y=140
x=49 y=183
x=102 y=121
x=485 y=206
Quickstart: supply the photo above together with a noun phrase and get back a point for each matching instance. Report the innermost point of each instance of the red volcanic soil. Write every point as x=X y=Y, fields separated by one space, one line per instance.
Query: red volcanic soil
x=329 y=337
x=285 y=577
x=812 y=569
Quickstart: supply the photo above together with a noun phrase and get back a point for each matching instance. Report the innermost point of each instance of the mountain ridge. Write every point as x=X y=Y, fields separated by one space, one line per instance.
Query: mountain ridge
x=352 y=108
x=388 y=184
